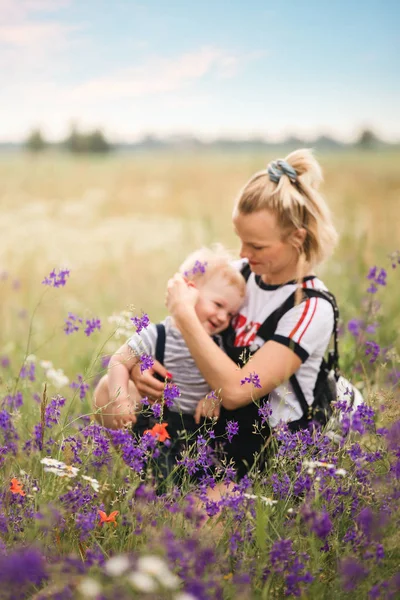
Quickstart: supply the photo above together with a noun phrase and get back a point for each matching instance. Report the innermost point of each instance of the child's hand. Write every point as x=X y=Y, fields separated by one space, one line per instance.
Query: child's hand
x=208 y=407
x=124 y=413
x=181 y=295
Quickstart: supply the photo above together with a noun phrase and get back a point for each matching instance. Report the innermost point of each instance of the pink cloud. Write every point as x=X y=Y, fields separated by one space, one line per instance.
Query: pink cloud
x=157 y=76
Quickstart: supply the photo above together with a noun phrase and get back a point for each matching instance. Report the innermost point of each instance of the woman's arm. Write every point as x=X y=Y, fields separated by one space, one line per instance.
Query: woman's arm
x=274 y=363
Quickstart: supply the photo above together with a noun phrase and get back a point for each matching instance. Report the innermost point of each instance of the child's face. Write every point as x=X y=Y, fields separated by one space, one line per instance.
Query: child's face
x=218 y=302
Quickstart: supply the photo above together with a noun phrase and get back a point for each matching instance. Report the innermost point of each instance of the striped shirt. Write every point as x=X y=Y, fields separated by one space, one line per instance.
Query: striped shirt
x=306 y=329
x=178 y=361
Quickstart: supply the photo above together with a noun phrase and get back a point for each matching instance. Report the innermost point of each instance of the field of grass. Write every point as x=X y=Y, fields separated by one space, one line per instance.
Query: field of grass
x=121 y=225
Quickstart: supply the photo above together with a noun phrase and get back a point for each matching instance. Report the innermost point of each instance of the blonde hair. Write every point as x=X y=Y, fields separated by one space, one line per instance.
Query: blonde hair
x=296 y=203
x=203 y=264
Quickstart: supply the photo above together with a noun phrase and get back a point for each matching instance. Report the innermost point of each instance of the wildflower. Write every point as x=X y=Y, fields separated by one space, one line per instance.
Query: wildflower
x=28 y=371
x=16 y=487
x=117 y=565
x=71 y=323
x=156 y=409
x=341 y=472
x=265 y=411
x=159 y=431
x=372 y=349
x=142 y=582
x=57 y=377
x=352 y=573
x=198 y=267
x=93 y=482
x=376 y=279
x=89 y=588
x=156 y=567
x=81 y=386
x=171 y=392
x=232 y=429
x=91 y=325
x=253 y=378
x=146 y=362
x=57 y=467
x=56 y=279
x=141 y=322
x=108 y=519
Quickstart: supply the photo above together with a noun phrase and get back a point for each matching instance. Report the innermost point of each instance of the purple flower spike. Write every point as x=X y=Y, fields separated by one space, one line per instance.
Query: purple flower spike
x=253 y=378
x=232 y=429
x=141 y=322
x=92 y=325
x=146 y=362
x=56 y=279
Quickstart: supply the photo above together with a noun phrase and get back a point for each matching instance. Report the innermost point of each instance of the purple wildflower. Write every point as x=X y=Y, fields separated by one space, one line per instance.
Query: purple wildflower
x=265 y=411
x=355 y=327
x=52 y=412
x=156 y=409
x=21 y=568
x=232 y=429
x=91 y=325
x=141 y=322
x=146 y=362
x=28 y=371
x=253 y=378
x=372 y=349
x=352 y=573
x=56 y=279
x=198 y=267
x=81 y=386
x=171 y=392
x=376 y=279
x=15 y=401
x=4 y=362
x=71 y=323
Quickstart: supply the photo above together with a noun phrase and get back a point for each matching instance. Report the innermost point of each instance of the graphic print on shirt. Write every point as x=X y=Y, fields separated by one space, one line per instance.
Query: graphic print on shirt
x=246 y=331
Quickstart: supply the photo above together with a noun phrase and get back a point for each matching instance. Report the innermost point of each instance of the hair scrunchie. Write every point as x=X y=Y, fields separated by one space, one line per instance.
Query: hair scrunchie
x=277 y=168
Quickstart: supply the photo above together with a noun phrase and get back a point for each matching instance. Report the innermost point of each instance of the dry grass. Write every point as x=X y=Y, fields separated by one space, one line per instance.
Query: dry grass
x=123 y=223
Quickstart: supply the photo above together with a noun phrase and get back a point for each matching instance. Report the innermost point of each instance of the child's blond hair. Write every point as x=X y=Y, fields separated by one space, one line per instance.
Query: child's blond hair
x=203 y=264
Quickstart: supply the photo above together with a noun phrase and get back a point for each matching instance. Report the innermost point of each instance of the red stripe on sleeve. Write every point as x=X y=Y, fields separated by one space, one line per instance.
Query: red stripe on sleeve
x=303 y=316
x=311 y=318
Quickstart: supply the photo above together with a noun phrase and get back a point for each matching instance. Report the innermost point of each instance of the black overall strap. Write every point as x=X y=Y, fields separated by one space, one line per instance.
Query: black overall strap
x=160 y=347
x=246 y=271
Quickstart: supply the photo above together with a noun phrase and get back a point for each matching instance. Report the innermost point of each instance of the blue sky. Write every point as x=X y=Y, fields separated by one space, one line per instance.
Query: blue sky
x=211 y=68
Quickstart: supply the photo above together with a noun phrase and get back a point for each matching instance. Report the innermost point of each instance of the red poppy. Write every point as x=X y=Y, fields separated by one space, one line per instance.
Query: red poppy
x=16 y=487
x=108 y=519
x=160 y=431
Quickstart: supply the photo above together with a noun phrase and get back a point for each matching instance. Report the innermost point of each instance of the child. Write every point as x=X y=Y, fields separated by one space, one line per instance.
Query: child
x=220 y=289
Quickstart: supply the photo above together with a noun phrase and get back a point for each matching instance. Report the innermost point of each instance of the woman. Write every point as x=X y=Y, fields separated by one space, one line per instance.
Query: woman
x=285 y=230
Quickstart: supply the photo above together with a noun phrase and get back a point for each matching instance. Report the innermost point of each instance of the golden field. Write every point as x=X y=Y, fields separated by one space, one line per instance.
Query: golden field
x=122 y=224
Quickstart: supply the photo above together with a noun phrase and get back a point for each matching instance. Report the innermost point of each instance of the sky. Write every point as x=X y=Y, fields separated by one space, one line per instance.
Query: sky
x=211 y=68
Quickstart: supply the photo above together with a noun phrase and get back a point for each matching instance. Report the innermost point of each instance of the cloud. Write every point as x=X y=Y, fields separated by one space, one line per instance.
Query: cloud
x=158 y=75
x=34 y=34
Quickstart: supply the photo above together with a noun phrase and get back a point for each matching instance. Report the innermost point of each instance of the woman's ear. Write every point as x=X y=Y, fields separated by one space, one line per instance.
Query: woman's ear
x=298 y=237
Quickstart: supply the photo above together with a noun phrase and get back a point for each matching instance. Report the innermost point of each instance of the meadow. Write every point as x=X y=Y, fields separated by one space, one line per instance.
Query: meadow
x=320 y=522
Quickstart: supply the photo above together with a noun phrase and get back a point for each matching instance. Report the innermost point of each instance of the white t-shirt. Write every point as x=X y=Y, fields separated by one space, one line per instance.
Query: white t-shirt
x=306 y=328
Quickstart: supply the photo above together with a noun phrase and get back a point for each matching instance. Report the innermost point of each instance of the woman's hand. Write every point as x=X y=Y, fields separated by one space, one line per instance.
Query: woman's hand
x=181 y=295
x=146 y=383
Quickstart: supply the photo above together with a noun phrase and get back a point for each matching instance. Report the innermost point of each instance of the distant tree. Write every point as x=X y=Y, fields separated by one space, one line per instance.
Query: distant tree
x=367 y=140
x=97 y=142
x=93 y=141
x=35 y=141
